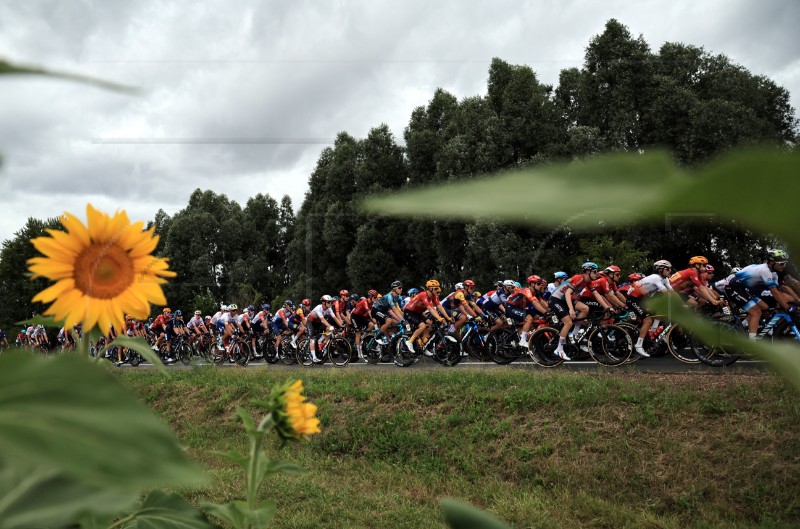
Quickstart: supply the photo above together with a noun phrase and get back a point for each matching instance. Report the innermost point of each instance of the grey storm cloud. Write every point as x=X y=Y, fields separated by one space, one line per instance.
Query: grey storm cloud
x=241 y=97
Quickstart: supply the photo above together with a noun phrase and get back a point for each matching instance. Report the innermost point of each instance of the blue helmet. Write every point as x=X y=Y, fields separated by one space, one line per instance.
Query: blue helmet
x=265 y=306
x=413 y=291
x=562 y=275
x=588 y=265
x=251 y=308
x=517 y=284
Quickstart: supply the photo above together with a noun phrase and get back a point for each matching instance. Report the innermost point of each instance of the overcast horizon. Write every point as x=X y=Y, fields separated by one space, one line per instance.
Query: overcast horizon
x=241 y=99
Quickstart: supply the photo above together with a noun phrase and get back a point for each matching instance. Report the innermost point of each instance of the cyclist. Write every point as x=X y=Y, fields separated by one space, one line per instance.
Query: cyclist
x=388 y=310
x=361 y=318
x=157 y=327
x=646 y=287
x=169 y=334
x=297 y=321
x=22 y=338
x=321 y=317
x=558 y=279
x=231 y=321
x=280 y=322
x=566 y=309
x=197 y=326
x=260 y=322
x=689 y=285
x=341 y=306
x=3 y=338
x=494 y=302
x=746 y=287
x=458 y=307
x=526 y=304
x=413 y=291
x=419 y=311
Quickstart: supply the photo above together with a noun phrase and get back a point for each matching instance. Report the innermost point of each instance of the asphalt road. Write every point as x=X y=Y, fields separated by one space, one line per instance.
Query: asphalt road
x=649 y=365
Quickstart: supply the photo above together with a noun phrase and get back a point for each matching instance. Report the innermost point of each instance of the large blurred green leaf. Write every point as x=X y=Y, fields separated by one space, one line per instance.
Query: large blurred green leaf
x=71 y=415
x=8 y=68
x=460 y=515
x=47 y=321
x=167 y=511
x=32 y=496
x=753 y=186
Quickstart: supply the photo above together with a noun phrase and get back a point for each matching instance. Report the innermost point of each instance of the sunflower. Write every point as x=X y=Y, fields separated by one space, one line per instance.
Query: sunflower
x=101 y=271
x=292 y=415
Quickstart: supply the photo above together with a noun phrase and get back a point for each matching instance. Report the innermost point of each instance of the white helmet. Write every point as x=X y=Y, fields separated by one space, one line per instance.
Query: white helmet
x=224 y=308
x=735 y=270
x=509 y=283
x=460 y=286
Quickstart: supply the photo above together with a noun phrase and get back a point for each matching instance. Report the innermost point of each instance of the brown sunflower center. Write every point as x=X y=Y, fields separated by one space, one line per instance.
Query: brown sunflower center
x=103 y=271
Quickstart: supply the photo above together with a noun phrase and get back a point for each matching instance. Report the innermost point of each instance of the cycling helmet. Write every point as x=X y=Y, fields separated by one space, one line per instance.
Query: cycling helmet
x=354 y=296
x=289 y=303
x=251 y=308
x=265 y=306
x=223 y=308
x=233 y=306
x=613 y=269
x=589 y=265
x=207 y=318
x=198 y=313
x=469 y=283
x=661 y=265
x=396 y=284
x=178 y=314
x=23 y=330
x=432 y=283
x=698 y=259
x=374 y=293
x=344 y=293
x=413 y=291
x=476 y=294
x=166 y=310
x=735 y=270
x=636 y=276
x=326 y=297
x=517 y=284
x=306 y=302
x=779 y=256
x=561 y=275
x=534 y=279
x=460 y=286
x=710 y=269
x=508 y=283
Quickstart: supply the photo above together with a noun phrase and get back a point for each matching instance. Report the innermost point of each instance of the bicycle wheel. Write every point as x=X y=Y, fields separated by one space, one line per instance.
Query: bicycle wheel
x=185 y=354
x=268 y=350
x=542 y=345
x=339 y=352
x=475 y=347
x=373 y=351
x=403 y=357
x=286 y=353
x=446 y=349
x=241 y=353
x=610 y=345
x=303 y=353
x=501 y=345
x=680 y=345
x=719 y=354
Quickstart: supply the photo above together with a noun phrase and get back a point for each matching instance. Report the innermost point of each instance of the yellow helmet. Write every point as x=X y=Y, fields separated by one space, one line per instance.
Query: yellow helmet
x=698 y=259
x=166 y=310
x=432 y=283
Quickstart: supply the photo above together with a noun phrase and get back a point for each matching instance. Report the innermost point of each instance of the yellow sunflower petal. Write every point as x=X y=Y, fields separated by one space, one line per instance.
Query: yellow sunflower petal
x=144 y=246
x=67 y=240
x=52 y=292
x=43 y=267
x=76 y=228
x=53 y=249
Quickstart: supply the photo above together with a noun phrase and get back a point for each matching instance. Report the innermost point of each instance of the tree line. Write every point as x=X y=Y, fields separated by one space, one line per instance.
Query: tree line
x=625 y=97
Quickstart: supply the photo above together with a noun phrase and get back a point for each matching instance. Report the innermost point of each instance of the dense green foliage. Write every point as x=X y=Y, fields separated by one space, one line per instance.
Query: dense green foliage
x=537 y=449
x=625 y=97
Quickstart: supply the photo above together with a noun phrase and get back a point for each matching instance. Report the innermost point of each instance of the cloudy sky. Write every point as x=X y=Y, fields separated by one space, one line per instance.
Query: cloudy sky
x=241 y=96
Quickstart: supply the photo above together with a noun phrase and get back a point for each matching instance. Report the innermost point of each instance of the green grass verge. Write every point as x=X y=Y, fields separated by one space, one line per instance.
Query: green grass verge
x=537 y=449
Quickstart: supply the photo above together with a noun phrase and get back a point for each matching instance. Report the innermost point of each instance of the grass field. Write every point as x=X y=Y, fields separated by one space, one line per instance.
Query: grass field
x=536 y=449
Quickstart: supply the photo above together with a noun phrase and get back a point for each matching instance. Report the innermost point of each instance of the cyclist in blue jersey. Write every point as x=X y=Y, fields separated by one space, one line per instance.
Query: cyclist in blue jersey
x=746 y=287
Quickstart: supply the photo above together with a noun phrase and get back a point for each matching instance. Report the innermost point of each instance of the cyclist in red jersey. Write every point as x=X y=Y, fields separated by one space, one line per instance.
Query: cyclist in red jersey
x=530 y=300
x=568 y=310
x=689 y=281
x=341 y=307
x=414 y=312
x=361 y=318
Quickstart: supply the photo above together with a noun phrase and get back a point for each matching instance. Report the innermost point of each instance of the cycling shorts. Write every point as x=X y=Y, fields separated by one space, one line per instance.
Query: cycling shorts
x=359 y=322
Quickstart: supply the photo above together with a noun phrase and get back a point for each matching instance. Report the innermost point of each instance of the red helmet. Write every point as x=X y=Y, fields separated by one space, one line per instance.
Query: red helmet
x=534 y=279
x=635 y=277
x=306 y=301
x=373 y=293
x=469 y=283
x=613 y=269
x=344 y=293
x=709 y=268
